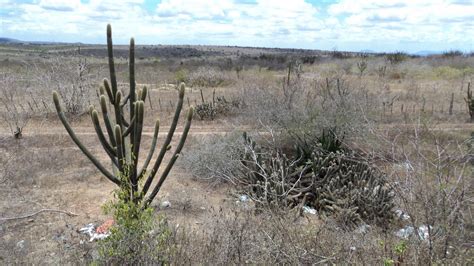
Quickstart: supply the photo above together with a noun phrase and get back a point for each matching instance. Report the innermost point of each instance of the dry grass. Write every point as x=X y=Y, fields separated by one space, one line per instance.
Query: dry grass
x=407 y=128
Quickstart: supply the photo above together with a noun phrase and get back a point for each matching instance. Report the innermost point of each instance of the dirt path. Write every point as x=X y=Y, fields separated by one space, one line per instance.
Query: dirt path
x=220 y=130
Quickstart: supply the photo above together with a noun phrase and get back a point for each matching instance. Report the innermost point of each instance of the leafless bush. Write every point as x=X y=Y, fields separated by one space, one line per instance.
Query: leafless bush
x=277 y=238
x=434 y=179
x=15 y=114
x=207 y=77
x=215 y=158
x=72 y=78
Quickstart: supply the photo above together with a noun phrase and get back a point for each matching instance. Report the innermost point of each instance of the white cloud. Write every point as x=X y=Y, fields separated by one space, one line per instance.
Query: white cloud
x=406 y=20
x=283 y=23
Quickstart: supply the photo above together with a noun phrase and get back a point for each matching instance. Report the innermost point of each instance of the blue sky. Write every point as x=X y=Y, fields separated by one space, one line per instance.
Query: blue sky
x=354 y=25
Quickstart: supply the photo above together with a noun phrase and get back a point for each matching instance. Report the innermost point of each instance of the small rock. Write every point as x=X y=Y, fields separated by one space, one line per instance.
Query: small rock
x=405 y=232
x=363 y=229
x=423 y=232
x=402 y=215
x=352 y=248
x=307 y=209
x=165 y=204
x=20 y=244
x=243 y=198
x=409 y=230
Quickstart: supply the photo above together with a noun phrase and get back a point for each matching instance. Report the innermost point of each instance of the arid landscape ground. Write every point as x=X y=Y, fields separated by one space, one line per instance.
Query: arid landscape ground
x=408 y=116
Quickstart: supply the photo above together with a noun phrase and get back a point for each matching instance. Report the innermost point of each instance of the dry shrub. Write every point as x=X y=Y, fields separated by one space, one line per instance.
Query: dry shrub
x=238 y=237
x=208 y=77
x=72 y=78
x=14 y=109
x=215 y=158
x=434 y=180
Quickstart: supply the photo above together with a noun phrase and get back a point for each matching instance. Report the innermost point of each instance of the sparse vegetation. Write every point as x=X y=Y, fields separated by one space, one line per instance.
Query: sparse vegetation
x=376 y=146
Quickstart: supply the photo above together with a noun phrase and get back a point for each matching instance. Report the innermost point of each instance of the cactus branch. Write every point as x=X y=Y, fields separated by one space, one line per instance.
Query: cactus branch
x=175 y=156
x=79 y=144
x=167 y=142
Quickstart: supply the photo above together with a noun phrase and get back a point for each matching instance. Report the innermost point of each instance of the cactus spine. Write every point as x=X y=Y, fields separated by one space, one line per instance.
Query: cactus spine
x=122 y=137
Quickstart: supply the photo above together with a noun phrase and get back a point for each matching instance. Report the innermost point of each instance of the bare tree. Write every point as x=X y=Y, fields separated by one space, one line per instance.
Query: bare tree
x=74 y=81
x=15 y=114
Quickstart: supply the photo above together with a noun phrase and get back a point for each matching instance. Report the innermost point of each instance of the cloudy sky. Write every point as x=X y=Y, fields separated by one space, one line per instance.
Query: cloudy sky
x=354 y=25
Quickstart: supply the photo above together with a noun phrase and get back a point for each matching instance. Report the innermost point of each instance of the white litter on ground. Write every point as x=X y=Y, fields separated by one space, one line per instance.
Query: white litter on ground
x=243 y=198
x=407 y=231
x=402 y=215
x=307 y=209
x=90 y=230
x=165 y=204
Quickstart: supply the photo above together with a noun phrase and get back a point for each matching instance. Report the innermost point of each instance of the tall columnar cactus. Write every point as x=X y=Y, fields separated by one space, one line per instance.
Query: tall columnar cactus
x=122 y=137
x=470 y=102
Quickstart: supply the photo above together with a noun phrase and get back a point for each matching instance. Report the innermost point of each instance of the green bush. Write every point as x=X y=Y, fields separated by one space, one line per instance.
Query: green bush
x=137 y=237
x=181 y=76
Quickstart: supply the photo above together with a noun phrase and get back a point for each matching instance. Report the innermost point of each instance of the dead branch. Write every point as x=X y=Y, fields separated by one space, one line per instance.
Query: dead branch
x=38 y=212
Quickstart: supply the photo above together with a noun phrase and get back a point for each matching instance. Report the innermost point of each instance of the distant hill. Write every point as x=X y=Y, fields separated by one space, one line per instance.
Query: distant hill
x=9 y=40
x=5 y=40
x=427 y=53
x=367 y=51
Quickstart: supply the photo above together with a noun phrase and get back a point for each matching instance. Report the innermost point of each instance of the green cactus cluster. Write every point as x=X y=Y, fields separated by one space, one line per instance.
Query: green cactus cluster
x=122 y=137
x=218 y=106
x=334 y=183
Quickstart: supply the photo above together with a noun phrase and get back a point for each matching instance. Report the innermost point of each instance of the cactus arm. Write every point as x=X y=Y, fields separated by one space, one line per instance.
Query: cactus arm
x=108 y=125
x=124 y=122
x=110 y=54
x=79 y=144
x=98 y=129
x=125 y=101
x=130 y=127
x=131 y=68
x=168 y=139
x=136 y=142
x=109 y=91
x=120 y=153
x=176 y=154
x=152 y=150
x=144 y=93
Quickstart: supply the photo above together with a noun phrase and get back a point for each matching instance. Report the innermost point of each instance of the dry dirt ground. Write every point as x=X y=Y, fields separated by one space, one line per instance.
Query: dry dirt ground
x=51 y=173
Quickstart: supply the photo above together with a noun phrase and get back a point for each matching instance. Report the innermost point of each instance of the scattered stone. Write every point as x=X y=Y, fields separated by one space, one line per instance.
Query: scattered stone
x=20 y=244
x=307 y=209
x=244 y=198
x=363 y=229
x=407 y=231
x=402 y=215
x=165 y=204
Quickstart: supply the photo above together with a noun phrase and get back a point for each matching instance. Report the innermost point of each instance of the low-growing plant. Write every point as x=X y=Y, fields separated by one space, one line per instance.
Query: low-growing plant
x=137 y=235
x=337 y=183
x=216 y=158
x=361 y=66
x=207 y=77
x=396 y=58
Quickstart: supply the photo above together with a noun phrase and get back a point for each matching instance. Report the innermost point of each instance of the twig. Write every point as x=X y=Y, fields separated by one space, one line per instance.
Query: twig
x=38 y=212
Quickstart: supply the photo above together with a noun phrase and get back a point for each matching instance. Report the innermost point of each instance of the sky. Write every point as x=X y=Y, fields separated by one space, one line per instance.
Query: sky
x=344 y=25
